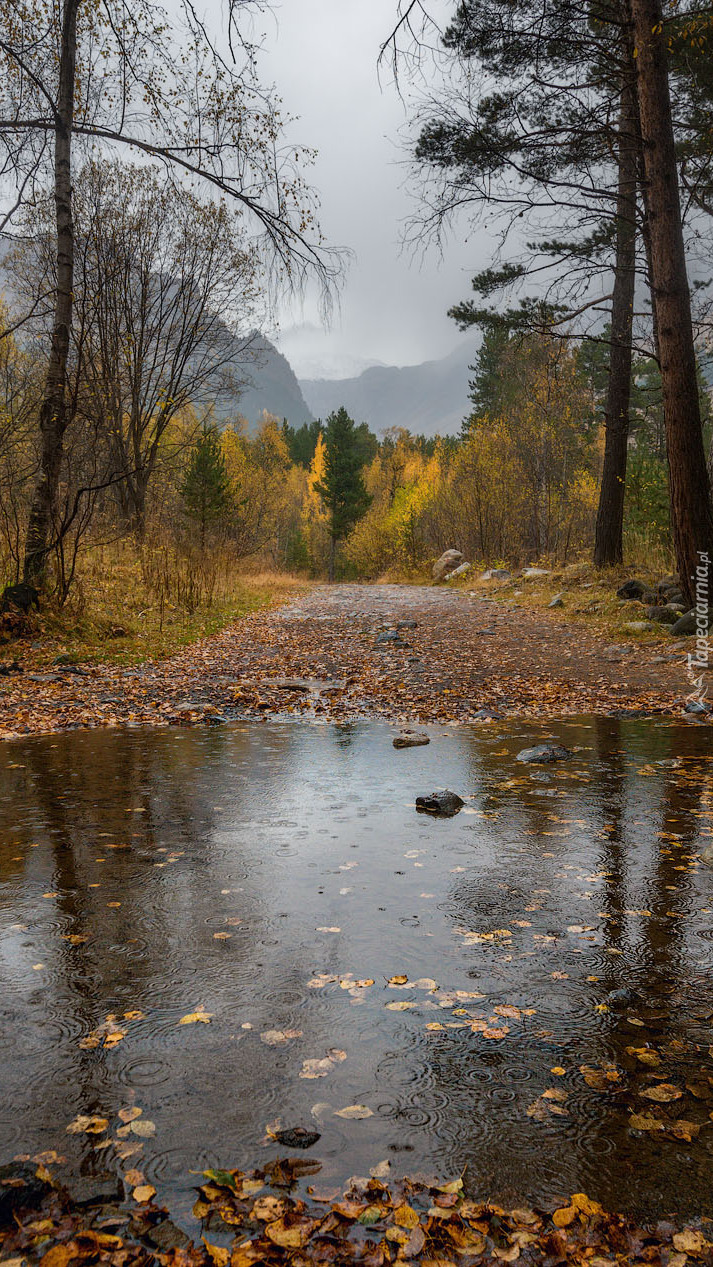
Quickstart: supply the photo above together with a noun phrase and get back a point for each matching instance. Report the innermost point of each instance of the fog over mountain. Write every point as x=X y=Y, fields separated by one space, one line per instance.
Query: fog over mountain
x=270 y=384
x=429 y=399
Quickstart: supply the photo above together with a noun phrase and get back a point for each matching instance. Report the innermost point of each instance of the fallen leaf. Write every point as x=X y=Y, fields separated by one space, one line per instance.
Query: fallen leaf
x=88 y=1124
x=269 y=1208
x=277 y=1037
x=643 y=1122
x=130 y=1114
x=689 y=1242
x=145 y=1192
x=564 y=1216
x=218 y=1254
x=293 y=1234
x=143 y=1128
x=199 y=1015
x=354 y=1111
x=662 y=1094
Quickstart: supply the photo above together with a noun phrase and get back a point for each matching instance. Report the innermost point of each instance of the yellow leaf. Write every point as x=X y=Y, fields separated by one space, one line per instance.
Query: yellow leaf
x=293 y=1235
x=130 y=1114
x=219 y=1255
x=405 y=1216
x=663 y=1094
x=686 y=1242
x=143 y=1128
x=199 y=1015
x=145 y=1192
x=354 y=1112
x=644 y=1122
x=565 y=1216
x=88 y=1124
x=268 y=1209
x=583 y=1203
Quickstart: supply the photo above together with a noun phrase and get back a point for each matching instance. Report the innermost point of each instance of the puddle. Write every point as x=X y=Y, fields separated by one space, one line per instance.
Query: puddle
x=556 y=938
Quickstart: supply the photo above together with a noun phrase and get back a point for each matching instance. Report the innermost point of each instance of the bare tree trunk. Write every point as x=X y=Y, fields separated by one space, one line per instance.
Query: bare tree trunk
x=53 y=409
x=608 y=543
x=691 y=515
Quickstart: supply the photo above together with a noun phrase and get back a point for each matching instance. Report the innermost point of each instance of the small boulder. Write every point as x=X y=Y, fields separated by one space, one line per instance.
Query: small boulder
x=20 y=597
x=487 y=714
x=411 y=739
x=557 y=601
x=697 y=707
x=447 y=562
x=632 y=589
x=496 y=574
x=461 y=570
x=390 y=638
x=688 y=624
x=531 y=574
x=443 y=804
x=544 y=753
x=407 y=624
x=664 y=615
x=639 y=626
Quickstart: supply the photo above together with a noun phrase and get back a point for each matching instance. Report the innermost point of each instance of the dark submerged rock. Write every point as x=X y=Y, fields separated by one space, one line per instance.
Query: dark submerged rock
x=544 y=753
x=444 y=804
x=297 y=1137
x=165 y=1236
x=19 y=1189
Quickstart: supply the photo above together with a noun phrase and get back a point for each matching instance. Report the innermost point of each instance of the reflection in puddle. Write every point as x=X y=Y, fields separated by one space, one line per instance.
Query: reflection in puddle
x=524 y=989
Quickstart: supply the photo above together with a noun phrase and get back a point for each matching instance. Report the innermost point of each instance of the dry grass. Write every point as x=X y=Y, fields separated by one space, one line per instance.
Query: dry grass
x=121 y=612
x=588 y=595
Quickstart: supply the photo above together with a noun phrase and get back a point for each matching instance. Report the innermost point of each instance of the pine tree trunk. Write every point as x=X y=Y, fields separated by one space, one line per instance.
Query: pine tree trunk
x=53 y=409
x=608 y=544
x=691 y=515
x=332 y=557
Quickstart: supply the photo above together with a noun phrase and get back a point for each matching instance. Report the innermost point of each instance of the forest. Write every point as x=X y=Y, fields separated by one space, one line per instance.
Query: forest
x=134 y=280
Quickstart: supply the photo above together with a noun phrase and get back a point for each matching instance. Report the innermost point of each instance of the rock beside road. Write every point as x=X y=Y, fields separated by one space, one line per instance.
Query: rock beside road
x=688 y=624
x=448 y=561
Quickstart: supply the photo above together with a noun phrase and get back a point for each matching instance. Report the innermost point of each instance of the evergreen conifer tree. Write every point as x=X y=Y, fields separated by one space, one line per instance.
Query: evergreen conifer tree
x=206 y=487
x=342 y=488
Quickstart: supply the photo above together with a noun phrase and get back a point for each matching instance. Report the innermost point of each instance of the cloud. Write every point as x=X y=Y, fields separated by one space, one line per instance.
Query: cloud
x=322 y=55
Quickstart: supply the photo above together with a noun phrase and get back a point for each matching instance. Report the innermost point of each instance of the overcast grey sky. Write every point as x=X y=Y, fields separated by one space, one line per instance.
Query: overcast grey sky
x=322 y=55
